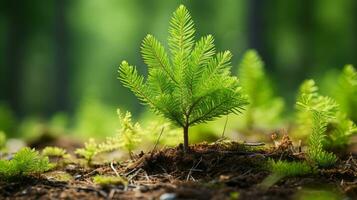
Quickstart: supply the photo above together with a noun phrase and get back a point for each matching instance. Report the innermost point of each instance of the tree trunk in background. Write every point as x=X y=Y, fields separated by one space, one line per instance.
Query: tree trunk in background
x=255 y=24
x=61 y=56
x=14 y=53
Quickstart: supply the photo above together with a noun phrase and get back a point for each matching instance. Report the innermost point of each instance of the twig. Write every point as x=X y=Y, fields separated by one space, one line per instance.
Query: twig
x=224 y=128
x=113 y=168
x=254 y=144
x=157 y=141
x=193 y=168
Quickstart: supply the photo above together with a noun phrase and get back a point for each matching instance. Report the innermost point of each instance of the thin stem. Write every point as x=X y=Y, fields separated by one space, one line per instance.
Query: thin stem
x=185 y=138
x=224 y=128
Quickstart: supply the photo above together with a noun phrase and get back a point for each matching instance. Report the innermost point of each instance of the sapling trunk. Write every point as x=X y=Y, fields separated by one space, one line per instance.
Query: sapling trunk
x=185 y=138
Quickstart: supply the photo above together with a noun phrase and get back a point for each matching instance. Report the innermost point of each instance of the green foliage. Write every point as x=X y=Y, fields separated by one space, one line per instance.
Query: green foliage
x=7 y=119
x=346 y=91
x=339 y=131
x=103 y=180
x=319 y=111
x=316 y=151
x=2 y=140
x=290 y=169
x=128 y=137
x=191 y=87
x=259 y=90
x=54 y=152
x=91 y=148
x=338 y=128
x=25 y=162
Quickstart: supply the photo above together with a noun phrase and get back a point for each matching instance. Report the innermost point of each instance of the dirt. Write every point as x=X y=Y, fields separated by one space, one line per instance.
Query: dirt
x=224 y=170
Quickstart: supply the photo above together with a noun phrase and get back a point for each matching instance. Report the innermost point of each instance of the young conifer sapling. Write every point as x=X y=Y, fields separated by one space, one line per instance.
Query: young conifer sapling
x=193 y=85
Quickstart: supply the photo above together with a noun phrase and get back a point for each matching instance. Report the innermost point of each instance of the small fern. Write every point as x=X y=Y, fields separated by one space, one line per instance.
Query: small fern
x=192 y=87
x=128 y=136
x=25 y=162
x=316 y=150
x=91 y=149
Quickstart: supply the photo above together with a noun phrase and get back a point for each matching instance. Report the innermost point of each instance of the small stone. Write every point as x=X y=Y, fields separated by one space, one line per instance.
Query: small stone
x=168 y=196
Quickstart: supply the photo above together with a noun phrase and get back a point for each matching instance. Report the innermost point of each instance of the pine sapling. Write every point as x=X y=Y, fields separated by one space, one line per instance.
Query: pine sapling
x=191 y=86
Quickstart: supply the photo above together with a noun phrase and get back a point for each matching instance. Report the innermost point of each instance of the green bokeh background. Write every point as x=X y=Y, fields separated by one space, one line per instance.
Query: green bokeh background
x=62 y=56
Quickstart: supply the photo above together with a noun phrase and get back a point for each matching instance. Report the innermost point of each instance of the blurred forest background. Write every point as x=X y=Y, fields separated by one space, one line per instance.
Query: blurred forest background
x=59 y=58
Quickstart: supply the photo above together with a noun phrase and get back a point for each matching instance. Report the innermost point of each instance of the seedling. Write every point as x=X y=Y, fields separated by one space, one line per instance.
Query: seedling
x=322 y=110
x=91 y=148
x=54 y=152
x=104 y=181
x=128 y=136
x=57 y=154
x=25 y=162
x=193 y=86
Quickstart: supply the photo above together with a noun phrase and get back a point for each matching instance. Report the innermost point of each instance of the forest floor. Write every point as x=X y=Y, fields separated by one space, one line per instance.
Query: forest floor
x=223 y=170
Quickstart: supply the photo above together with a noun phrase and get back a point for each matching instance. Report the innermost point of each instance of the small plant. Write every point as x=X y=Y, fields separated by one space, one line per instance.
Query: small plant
x=290 y=169
x=59 y=155
x=322 y=110
x=25 y=162
x=259 y=90
x=281 y=169
x=128 y=136
x=192 y=87
x=54 y=152
x=91 y=148
x=104 y=181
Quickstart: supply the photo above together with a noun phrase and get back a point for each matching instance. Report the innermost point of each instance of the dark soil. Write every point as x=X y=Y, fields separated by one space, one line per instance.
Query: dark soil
x=209 y=171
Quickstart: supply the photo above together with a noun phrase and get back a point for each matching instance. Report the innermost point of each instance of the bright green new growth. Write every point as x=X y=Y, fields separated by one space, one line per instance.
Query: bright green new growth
x=193 y=86
x=25 y=162
x=290 y=169
x=54 y=152
x=103 y=180
x=339 y=131
x=281 y=169
x=128 y=136
x=320 y=110
x=258 y=88
x=316 y=151
x=91 y=148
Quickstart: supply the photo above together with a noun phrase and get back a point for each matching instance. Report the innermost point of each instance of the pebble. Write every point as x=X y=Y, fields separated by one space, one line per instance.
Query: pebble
x=168 y=196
